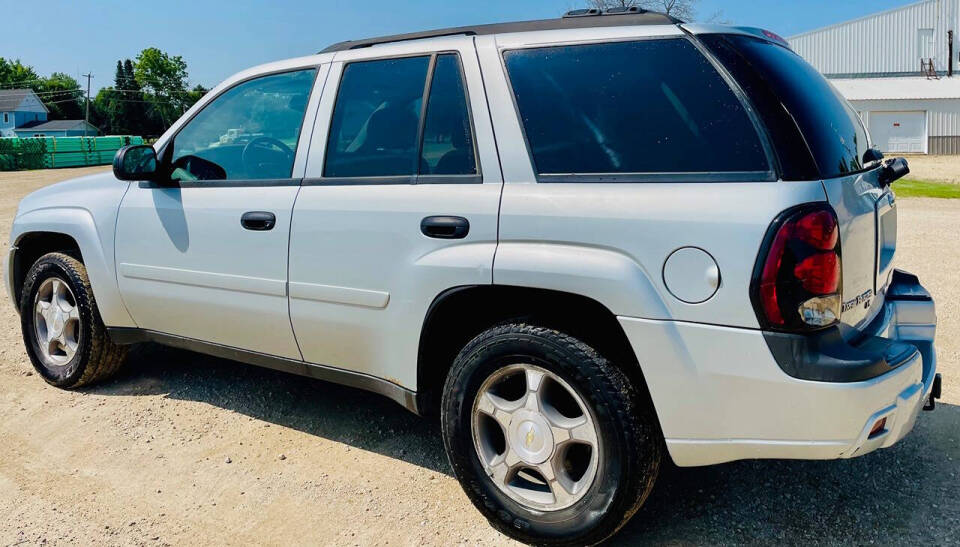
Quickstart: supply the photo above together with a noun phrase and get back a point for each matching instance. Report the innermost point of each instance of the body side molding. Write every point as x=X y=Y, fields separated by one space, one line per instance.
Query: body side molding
x=394 y=392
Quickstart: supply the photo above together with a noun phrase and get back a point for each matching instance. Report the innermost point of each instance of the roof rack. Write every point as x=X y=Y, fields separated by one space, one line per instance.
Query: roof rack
x=586 y=18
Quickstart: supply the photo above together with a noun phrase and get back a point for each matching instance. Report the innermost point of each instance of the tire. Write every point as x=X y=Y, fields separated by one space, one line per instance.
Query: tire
x=628 y=443
x=92 y=357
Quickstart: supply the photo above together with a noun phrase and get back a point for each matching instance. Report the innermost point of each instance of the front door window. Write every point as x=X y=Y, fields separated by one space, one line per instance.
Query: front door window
x=250 y=132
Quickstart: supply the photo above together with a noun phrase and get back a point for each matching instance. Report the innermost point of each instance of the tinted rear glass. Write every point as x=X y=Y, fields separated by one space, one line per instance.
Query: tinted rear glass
x=653 y=106
x=831 y=129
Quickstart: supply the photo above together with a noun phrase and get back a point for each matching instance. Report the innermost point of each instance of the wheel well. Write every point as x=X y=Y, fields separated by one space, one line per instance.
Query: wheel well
x=32 y=246
x=459 y=314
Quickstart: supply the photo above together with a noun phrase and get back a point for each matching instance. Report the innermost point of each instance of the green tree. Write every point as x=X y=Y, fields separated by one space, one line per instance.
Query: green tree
x=14 y=74
x=141 y=120
x=62 y=96
x=195 y=95
x=163 y=79
x=60 y=93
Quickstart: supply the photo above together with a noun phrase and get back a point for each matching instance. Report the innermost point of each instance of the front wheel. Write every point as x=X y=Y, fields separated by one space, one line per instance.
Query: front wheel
x=549 y=439
x=62 y=330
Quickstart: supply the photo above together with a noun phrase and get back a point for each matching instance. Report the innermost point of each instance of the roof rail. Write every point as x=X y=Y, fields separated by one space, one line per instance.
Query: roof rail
x=591 y=18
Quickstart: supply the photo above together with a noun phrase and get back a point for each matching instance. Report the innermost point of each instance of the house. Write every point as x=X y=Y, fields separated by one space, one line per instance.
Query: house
x=896 y=68
x=19 y=107
x=57 y=128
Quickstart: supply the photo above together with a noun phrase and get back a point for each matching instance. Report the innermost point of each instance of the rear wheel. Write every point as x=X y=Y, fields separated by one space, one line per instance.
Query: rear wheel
x=62 y=330
x=549 y=439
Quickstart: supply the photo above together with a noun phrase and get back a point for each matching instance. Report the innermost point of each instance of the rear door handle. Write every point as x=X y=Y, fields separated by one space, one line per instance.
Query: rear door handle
x=445 y=227
x=258 y=221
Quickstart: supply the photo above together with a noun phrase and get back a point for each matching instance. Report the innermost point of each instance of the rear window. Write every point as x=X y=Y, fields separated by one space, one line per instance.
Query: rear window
x=643 y=107
x=831 y=129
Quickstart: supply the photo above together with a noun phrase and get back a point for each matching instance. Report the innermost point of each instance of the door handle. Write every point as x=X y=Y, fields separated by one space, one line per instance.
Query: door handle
x=445 y=227
x=258 y=221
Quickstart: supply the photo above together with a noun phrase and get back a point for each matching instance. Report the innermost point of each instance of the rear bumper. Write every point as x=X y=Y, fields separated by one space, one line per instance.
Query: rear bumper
x=722 y=395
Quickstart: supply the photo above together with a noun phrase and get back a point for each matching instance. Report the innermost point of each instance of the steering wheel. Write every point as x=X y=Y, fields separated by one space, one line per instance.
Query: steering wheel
x=252 y=163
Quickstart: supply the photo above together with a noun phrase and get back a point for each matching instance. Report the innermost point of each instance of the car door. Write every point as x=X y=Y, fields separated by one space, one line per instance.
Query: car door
x=398 y=205
x=205 y=257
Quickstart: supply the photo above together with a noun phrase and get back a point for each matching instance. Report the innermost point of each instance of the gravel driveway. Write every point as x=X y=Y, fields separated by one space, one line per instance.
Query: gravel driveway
x=186 y=449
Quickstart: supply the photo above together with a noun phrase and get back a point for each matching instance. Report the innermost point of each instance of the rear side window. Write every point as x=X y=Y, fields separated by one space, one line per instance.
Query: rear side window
x=644 y=107
x=380 y=127
x=832 y=131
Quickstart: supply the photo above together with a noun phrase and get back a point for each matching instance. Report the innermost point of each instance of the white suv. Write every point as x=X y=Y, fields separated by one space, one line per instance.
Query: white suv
x=586 y=243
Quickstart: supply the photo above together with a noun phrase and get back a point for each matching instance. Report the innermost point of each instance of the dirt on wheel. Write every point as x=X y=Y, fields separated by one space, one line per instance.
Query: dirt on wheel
x=182 y=448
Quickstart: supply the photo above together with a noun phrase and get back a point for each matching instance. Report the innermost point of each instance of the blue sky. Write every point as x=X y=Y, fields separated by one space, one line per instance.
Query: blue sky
x=219 y=37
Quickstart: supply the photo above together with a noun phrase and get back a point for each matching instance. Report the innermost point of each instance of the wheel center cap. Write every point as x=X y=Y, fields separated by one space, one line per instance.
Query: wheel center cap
x=531 y=437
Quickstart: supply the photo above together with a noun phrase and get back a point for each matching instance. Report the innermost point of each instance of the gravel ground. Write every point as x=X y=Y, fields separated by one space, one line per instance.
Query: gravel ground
x=186 y=449
x=935 y=168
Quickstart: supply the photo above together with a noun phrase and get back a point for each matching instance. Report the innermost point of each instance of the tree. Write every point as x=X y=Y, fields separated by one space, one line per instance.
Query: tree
x=15 y=74
x=681 y=9
x=62 y=96
x=59 y=93
x=195 y=95
x=163 y=79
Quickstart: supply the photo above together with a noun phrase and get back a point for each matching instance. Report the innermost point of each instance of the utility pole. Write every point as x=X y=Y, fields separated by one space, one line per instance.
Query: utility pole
x=86 y=116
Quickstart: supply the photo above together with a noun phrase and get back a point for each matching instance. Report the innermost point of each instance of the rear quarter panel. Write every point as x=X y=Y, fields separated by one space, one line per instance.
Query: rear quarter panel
x=610 y=241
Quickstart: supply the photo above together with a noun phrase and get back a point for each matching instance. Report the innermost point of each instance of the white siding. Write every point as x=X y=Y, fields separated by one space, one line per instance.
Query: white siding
x=943 y=115
x=884 y=43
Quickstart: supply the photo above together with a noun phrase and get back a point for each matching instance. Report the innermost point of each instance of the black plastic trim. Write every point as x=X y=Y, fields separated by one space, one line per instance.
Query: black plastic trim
x=394 y=392
x=665 y=177
x=225 y=183
x=393 y=180
x=825 y=356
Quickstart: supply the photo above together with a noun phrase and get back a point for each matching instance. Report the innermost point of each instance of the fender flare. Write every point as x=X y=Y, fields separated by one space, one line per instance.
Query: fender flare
x=607 y=276
x=78 y=223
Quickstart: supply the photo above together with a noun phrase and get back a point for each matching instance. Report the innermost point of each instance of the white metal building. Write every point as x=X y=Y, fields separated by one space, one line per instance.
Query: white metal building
x=897 y=68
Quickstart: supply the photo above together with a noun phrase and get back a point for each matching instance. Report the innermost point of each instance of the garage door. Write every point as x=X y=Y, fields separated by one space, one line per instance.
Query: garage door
x=899 y=132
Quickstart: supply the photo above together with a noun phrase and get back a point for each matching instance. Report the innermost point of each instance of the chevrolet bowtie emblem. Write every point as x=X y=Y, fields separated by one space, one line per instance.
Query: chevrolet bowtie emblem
x=530 y=437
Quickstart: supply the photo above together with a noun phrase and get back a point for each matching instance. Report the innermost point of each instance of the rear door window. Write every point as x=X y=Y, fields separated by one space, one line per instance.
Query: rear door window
x=377 y=118
x=622 y=108
x=831 y=129
x=447 y=135
x=380 y=127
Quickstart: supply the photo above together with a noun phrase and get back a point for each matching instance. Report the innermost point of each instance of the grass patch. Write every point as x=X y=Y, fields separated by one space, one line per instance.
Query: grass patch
x=908 y=188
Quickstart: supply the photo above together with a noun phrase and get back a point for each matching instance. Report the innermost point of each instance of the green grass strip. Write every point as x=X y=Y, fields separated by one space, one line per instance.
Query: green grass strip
x=908 y=188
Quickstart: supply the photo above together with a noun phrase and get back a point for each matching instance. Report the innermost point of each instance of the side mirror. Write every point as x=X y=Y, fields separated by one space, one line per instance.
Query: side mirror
x=135 y=162
x=872 y=155
x=893 y=170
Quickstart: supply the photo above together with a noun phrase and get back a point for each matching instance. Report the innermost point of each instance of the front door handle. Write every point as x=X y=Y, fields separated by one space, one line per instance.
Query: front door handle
x=445 y=227
x=258 y=221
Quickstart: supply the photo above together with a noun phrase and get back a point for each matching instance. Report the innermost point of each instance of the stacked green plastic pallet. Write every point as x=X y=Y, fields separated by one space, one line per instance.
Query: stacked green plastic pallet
x=53 y=152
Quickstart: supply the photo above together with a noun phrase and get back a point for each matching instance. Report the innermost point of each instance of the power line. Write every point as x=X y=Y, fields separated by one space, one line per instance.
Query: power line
x=24 y=82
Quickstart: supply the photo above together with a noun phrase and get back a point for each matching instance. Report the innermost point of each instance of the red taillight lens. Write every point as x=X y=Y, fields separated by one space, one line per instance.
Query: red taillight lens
x=819 y=273
x=798 y=284
x=819 y=229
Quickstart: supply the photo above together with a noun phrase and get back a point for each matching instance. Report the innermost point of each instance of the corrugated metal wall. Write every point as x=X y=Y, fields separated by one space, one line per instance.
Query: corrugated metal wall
x=883 y=43
x=944 y=146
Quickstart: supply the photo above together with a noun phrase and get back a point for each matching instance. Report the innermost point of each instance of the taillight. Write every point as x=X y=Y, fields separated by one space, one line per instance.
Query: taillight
x=797 y=284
